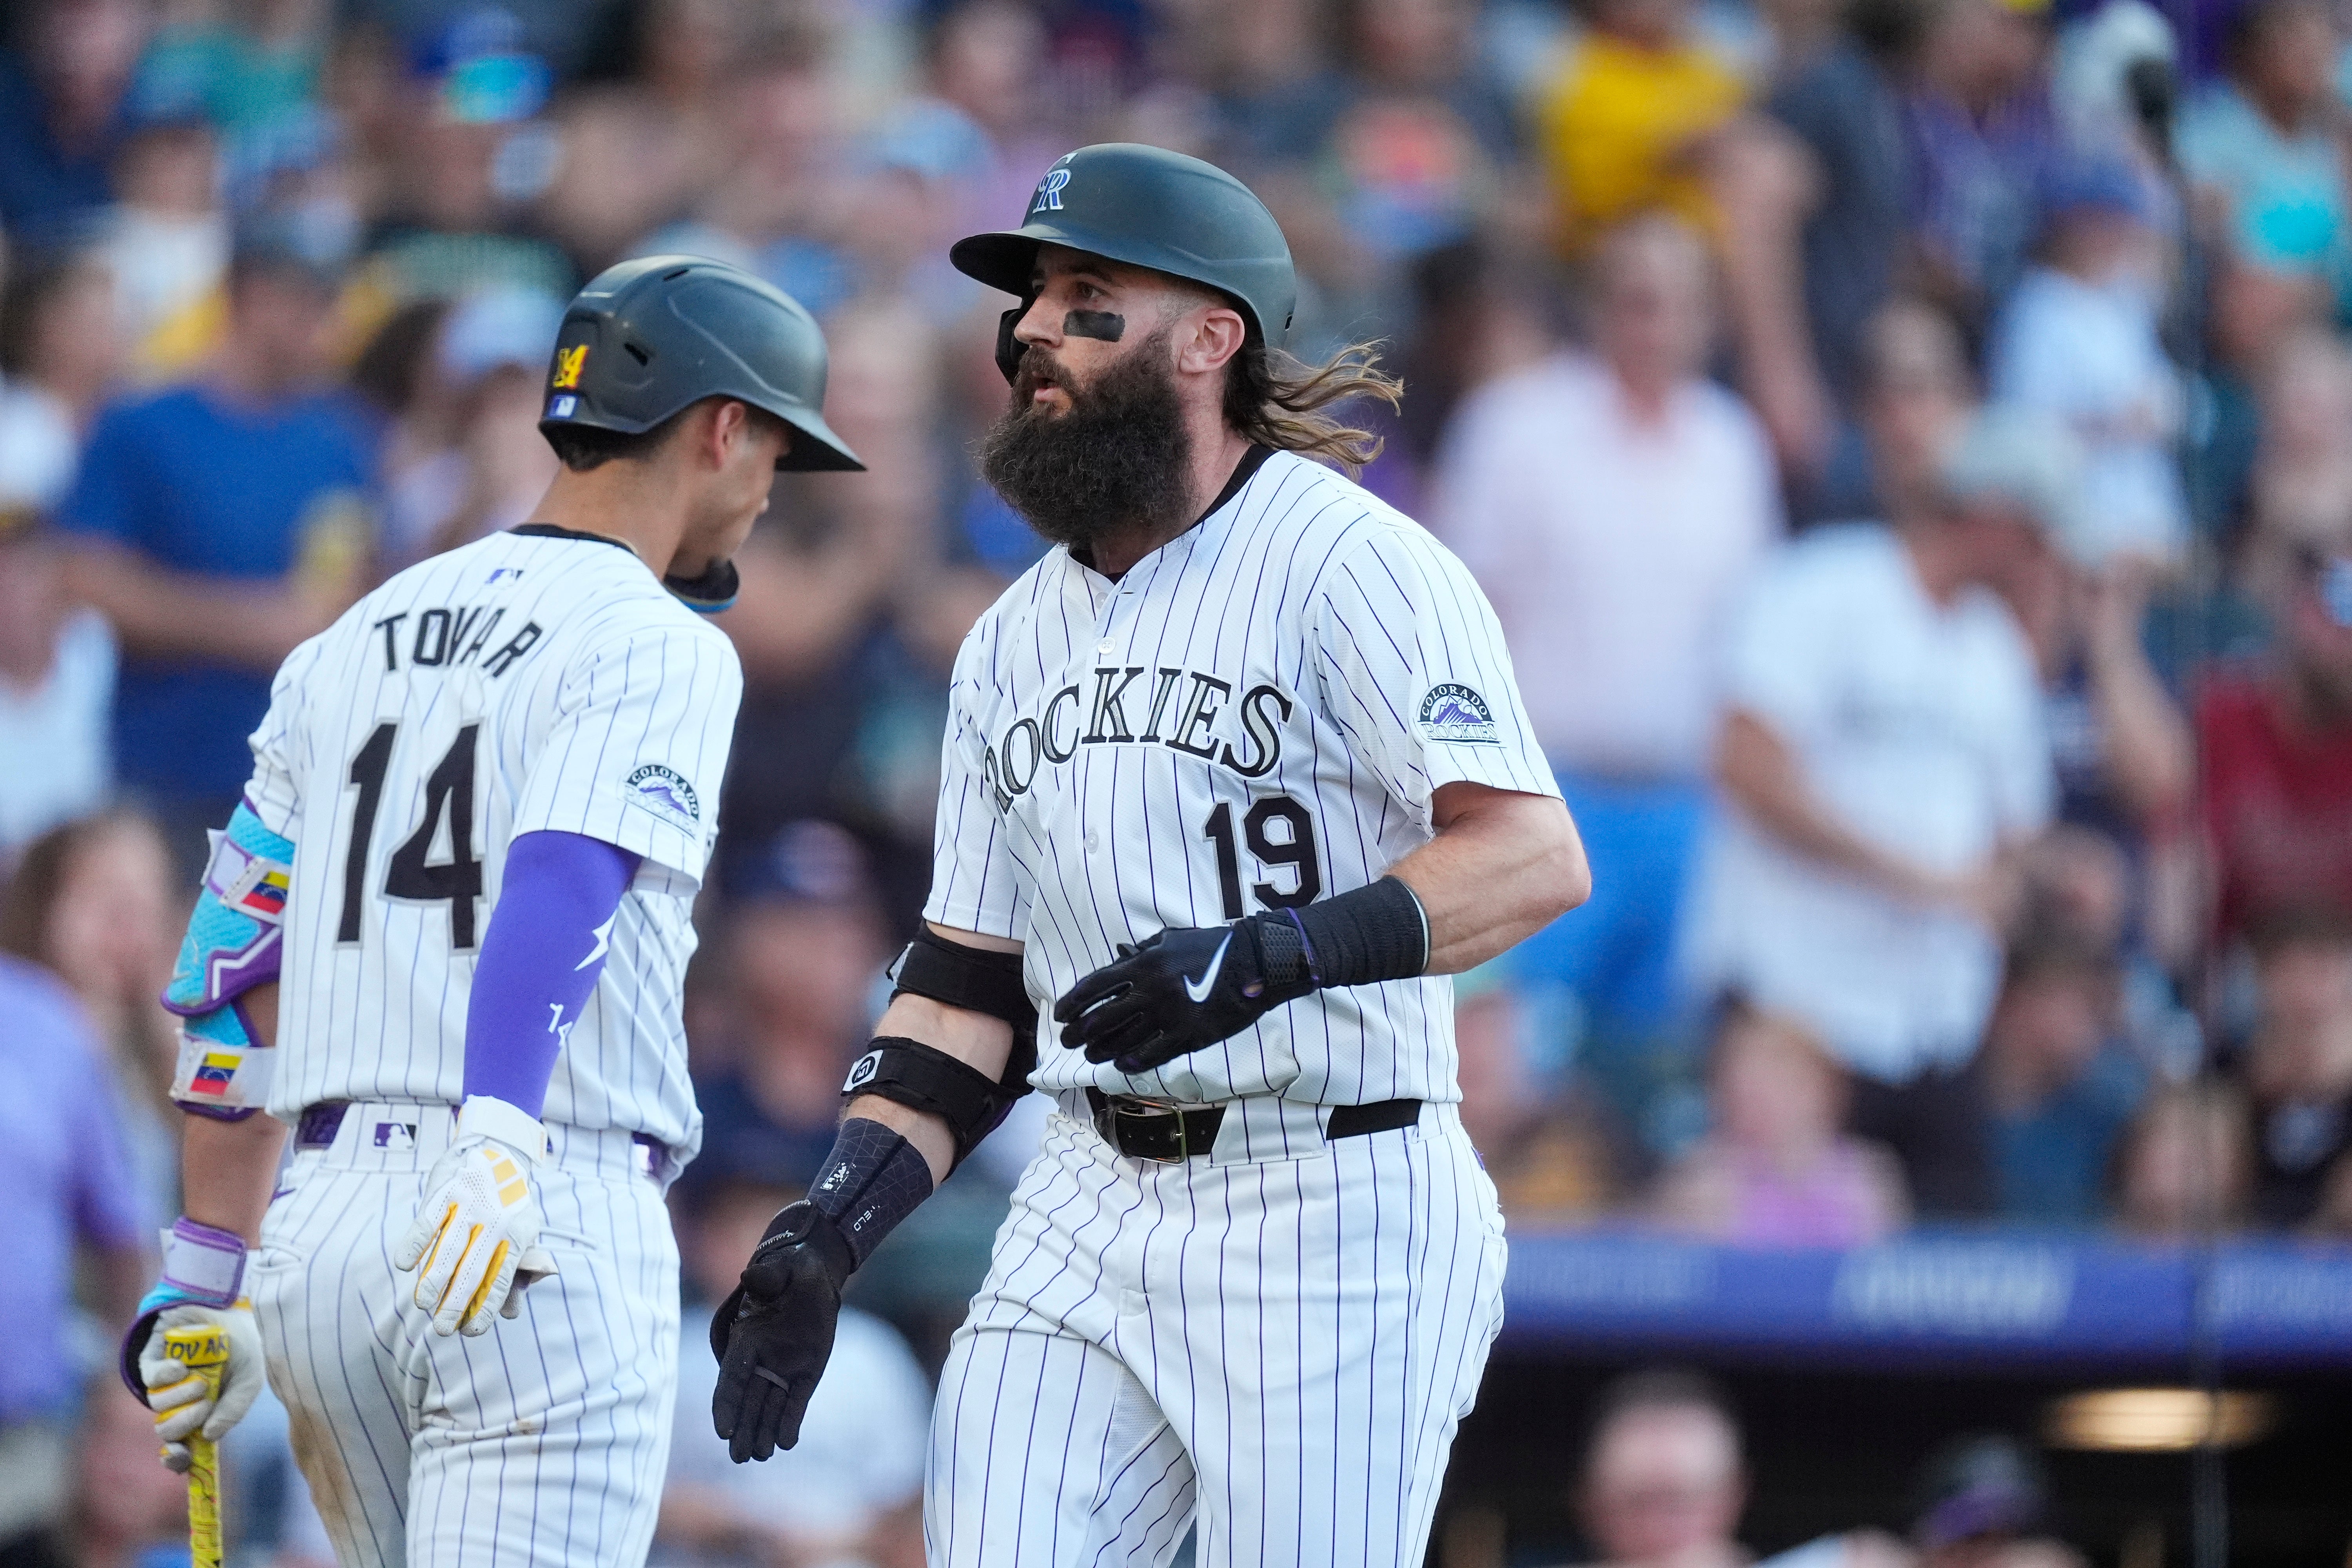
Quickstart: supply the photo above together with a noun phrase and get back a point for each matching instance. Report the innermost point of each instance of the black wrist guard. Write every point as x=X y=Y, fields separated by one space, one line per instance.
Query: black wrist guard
x=872 y=1179
x=1360 y=938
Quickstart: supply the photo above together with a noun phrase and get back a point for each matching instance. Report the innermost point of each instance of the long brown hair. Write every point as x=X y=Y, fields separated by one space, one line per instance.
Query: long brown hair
x=1280 y=401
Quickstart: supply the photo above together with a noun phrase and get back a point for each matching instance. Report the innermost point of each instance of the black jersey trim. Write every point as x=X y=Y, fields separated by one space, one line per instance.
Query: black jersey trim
x=549 y=531
x=1244 y=471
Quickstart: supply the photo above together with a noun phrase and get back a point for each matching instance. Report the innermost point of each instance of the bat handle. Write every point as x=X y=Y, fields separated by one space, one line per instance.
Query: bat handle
x=203 y=1352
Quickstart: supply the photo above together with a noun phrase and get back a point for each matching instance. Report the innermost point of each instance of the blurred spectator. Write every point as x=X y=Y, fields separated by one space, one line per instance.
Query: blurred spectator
x=2300 y=494
x=2261 y=149
x=983 y=60
x=61 y=99
x=2187 y=1169
x=1547 y=1156
x=852 y=611
x=1625 y=120
x=1478 y=313
x=487 y=368
x=1664 y=1481
x=1981 y=1499
x=805 y=947
x=218 y=524
x=2276 y=743
x=636 y=149
x=2060 y=1087
x=850 y=1492
x=1981 y=139
x=2126 y=762
x=1916 y=395
x=166 y=241
x=60 y=353
x=132 y=1513
x=71 y=1191
x=2078 y=341
x=2298 y=1064
x=1836 y=94
x=2253 y=316
x=1885 y=759
x=93 y=901
x=1418 y=133
x=1774 y=1169
x=465 y=154
x=56 y=688
x=254 y=74
x=1613 y=506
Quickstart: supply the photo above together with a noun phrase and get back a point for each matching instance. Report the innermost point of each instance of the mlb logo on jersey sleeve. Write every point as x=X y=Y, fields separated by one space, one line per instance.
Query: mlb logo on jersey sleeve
x=1454 y=713
x=666 y=794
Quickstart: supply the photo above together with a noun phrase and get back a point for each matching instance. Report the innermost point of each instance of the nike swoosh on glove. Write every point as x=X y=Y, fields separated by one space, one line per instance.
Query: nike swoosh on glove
x=774 y=1334
x=1181 y=989
x=475 y=1241
x=176 y=1395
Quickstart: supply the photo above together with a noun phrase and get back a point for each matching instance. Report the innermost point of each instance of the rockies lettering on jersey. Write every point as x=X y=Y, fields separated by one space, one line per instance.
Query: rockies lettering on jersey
x=1255 y=716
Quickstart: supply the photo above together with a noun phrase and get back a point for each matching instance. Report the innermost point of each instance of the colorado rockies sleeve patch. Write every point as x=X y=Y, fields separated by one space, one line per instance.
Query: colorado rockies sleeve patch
x=1454 y=713
x=665 y=793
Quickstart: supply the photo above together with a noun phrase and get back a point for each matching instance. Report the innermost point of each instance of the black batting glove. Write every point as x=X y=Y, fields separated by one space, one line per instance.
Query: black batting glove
x=774 y=1334
x=1183 y=988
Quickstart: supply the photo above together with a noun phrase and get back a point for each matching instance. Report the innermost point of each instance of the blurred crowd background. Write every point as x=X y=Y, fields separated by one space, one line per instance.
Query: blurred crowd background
x=1908 y=444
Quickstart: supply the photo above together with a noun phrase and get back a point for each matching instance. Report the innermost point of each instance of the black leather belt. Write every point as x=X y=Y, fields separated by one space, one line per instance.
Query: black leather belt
x=1146 y=1129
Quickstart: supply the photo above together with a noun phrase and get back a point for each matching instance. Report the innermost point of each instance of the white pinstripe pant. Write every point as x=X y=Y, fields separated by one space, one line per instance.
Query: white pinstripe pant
x=541 y=1442
x=1281 y=1346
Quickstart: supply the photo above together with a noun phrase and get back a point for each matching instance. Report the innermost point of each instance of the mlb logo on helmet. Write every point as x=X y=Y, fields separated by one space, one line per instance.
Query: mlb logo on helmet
x=568 y=363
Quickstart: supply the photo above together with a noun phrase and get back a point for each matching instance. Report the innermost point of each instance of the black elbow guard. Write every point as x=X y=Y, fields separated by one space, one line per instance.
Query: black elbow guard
x=917 y=1076
x=971 y=978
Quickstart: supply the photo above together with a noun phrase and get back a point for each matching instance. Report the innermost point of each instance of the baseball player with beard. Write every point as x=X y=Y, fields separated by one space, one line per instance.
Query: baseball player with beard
x=1234 y=778
x=443 y=940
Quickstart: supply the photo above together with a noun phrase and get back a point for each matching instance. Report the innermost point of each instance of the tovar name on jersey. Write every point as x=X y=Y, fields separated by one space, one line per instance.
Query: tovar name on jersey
x=1204 y=722
x=448 y=636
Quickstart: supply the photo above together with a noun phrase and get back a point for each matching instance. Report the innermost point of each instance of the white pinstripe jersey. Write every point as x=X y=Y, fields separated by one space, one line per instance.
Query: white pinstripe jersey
x=1256 y=714
x=520 y=683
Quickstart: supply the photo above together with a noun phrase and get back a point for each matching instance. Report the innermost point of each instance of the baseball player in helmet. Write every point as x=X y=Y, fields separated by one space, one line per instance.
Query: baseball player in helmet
x=442 y=940
x=1234 y=778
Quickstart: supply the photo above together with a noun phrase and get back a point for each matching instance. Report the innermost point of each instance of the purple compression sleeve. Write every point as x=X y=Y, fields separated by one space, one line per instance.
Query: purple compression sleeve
x=539 y=959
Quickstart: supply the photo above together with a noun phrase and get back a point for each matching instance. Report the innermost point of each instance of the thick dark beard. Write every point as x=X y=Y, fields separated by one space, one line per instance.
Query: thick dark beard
x=1120 y=458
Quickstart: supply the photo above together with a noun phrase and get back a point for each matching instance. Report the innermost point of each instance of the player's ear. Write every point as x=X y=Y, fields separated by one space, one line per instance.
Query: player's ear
x=730 y=426
x=1215 y=337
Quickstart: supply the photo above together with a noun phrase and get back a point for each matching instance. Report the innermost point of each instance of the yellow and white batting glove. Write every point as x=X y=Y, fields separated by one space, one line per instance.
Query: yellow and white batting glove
x=474 y=1242
x=203 y=1277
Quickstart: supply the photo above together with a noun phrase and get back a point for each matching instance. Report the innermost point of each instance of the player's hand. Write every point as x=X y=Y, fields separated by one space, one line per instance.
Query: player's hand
x=774 y=1335
x=1181 y=989
x=475 y=1241
x=176 y=1395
